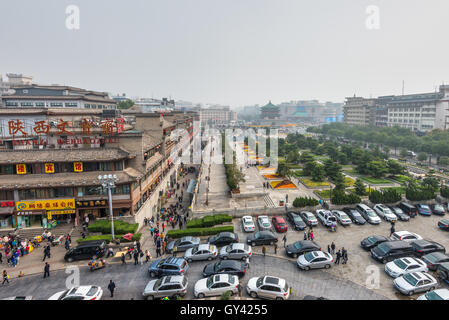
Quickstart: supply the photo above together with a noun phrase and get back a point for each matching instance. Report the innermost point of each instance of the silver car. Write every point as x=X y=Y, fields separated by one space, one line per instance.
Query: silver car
x=342 y=217
x=268 y=287
x=201 y=252
x=169 y=286
x=264 y=223
x=216 y=285
x=236 y=251
x=411 y=283
x=183 y=244
x=315 y=260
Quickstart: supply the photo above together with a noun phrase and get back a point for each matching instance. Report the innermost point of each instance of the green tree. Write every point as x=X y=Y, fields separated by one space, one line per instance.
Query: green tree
x=395 y=167
x=422 y=156
x=339 y=181
x=377 y=169
x=293 y=157
x=283 y=170
x=359 y=187
x=331 y=168
x=403 y=152
x=318 y=173
x=125 y=104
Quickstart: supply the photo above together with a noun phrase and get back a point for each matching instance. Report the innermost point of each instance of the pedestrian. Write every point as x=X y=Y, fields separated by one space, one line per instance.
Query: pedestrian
x=392 y=229
x=147 y=256
x=337 y=261
x=308 y=234
x=152 y=231
x=141 y=254
x=67 y=244
x=123 y=258
x=240 y=289
x=275 y=248
x=158 y=252
x=333 y=247
x=328 y=249
x=312 y=236
x=247 y=262
x=110 y=252
x=5 y=277
x=136 y=257
x=345 y=257
x=264 y=250
x=46 y=270
x=284 y=239
x=138 y=246
x=1 y=257
x=305 y=235
x=343 y=254
x=111 y=287
x=46 y=252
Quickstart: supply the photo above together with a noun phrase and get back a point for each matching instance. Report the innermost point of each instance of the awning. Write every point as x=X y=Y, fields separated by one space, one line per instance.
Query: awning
x=6 y=210
x=191 y=186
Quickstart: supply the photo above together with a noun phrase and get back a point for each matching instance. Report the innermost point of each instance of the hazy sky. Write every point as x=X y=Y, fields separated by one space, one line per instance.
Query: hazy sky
x=235 y=52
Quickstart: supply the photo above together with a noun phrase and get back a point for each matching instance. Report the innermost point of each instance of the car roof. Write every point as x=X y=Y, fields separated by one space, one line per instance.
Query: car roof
x=80 y=291
x=396 y=243
x=247 y=218
x=444 y=293
x=226 y=234
x=221 y=277
x=438 y=255
x=319 y=254
x=173 y=279
x=403 y=233
x=274 y=281
x=173 y=260
x=422 y=275
x=409 y=260
x=204 y=246
x=279 y=219
x=238 y=245
x=230 y=263
x=266 y=232
x=187 y=238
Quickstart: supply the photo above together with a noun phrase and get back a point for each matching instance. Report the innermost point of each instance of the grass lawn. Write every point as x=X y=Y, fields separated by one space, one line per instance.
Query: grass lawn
x=314 y=184
x=349 y=182
x=401 y=190
x=294 y=166
x=324 y=194
x=401 y=178
x=372 y=180
x=298 y=173
x=350 y=171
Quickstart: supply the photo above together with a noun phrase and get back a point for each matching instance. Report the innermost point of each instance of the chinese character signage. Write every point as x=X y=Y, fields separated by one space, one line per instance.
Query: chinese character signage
x=7 y=204
x=91 y=203
x=21 y=168
x=49 y=168
x=60 y=204
x=78 y=166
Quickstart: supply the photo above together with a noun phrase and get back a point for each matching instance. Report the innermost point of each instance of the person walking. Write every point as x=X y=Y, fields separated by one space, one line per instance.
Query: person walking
x=344 y=254
x=110 y=252
x=247 y=262
x=158 y=252
x=305 y=235
x=67 y=244
x=345 y=257
x=46 y=270
x=141 y=254
x=337 y=261
x=392 y=230
x=264 y=250
x=138 y=246
x=147 y=256
x=284 y=239
x=46 y=252
x=240 y=289
x=5 y=277
x=136 y=257
x=1 y=257
x=333 y=247
x=308 y=234
x=275 y=248
x=312 y=236
x=123 y=258
x=328 y=249
x=111 y=287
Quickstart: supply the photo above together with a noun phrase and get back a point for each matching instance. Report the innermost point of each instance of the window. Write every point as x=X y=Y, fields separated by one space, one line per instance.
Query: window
x=7 y=169
x=40 y=104
x=55 y=104
x=63 y=192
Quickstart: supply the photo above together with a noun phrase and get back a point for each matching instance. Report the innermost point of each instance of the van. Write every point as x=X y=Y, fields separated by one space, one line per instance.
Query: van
x=408 y=209
x=86 y=251
x=390 y=250
x=368 y=213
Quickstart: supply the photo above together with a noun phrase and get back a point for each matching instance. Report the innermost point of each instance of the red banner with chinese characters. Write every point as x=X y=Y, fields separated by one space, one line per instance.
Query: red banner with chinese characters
x=21 y=168
x=49 y=168
x=78 y=166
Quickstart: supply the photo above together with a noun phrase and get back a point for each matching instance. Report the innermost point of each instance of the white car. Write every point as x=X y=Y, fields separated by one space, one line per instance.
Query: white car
x=326 y=217
x=439 y=294
x=309 y=218
x=384 y=212
x=315 y=260
x=264 y=223
x=79 y=293
x=248 y=224
x=268 y=287
x=410 y=283
x=401 y=266
x=216 y=285
x=201 y=252
x=342 y=217
x=405 y=235
x=368 y=213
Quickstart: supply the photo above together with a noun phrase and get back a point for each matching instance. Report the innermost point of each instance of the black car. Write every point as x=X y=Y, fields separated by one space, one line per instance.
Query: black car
x=355 y=216
x=300 y=247
x=434 y=259
x=438 y=209
x=371 y=242
x=261 y=238
x=296 y=220
x=422 y=247
x=400 y=213
x=444 y=224
x=233 y=267
x=391 y=250
x=223 y=239
x=86 y=251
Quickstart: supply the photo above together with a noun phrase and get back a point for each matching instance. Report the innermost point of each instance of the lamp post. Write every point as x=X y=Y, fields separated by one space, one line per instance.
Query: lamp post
x=108 y=181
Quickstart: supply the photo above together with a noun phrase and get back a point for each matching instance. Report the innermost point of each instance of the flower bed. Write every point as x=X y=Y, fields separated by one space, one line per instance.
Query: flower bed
x=284 y=184
x=271 y=176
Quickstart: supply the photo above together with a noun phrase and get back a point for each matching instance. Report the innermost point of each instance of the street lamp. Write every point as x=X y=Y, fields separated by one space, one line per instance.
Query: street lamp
x=108 y=181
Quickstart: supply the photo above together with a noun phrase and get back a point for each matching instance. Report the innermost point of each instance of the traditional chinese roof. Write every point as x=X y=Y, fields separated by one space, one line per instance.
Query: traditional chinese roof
x=62 y=155
x=55 y=180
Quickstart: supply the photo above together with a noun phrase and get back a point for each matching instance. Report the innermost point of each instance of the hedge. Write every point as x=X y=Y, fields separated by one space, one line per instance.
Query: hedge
x=305 y=202
x=173 y=234
x=444 y=191
x=340 y=198
x=120 y=227
x=385 y=196
x=108 y=238
x=209 y=221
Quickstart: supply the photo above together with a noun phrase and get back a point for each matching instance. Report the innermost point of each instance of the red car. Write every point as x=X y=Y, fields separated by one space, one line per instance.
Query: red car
x=279 y=224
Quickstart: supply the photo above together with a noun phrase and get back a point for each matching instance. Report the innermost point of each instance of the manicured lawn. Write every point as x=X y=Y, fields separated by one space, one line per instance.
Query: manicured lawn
x=349 y=182
x=401 y=178
x=324 y=194
x=298 y=173
x=400 y=190
x=313 y=184
x=372 y=180
x=294 y=166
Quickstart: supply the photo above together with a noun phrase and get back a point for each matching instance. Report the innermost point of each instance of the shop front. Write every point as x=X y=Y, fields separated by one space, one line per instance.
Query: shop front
x=30 y=219
x=6 y=214
x=96 y=208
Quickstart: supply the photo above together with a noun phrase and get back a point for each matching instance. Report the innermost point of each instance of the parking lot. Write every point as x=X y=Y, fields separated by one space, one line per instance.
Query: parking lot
x=358 y=259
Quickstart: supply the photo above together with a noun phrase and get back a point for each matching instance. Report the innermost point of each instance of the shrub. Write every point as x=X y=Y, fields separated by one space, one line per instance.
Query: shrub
x=305 y=202
x=226 y=295
x=339 y=197
x=209 y=221
x=419 y=194
x=120 y=227
x=444 y=191
x=173 y=234
x=108 y=238
x=385 y=196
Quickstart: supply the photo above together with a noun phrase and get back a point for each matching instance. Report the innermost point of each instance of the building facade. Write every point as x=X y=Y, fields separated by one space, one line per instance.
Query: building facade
x=359 y=111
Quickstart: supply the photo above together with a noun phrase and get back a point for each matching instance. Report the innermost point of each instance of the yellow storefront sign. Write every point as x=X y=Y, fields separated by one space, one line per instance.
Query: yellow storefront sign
x=49 y=168
x=58 y=205
x=56 y=212
x=78 y=166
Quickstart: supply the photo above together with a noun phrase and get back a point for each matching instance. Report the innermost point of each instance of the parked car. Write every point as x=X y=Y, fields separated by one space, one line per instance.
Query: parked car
x=236 y=251
x=443 y=272
x=268 y=287
x=438 y=209
x=368 y=213
x=223 y=239
x=435 y=259
x=301 y=247
x=168 y=286
x=342 y=217
x=309 y=218
x=315 y=260
x=86 y=251
x=79 y=293
x=201 y=252
x=264 y=223
x=168 y=267
x=216 y=285
x=326 y=217
x=438 y=294
x=405 y=235
x=401 y=266
x=232 y=267
x=424 y=209
x=384 y=212
x=372 y=241
x=261 y=238
x=279 y=224
x=355 y=216
x=422 y=247
x=414 y=282
x=390 y=250
x=409 y=209
x=182 y=244
x=248 y=224
x=400 y=213
x=444 y=224
x=296 y=221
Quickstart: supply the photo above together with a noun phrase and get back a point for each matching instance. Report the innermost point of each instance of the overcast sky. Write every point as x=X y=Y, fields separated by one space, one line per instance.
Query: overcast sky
x=232 y=52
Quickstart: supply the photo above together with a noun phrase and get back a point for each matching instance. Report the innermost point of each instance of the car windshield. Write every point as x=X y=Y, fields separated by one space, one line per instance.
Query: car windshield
x=217 y=265
x=65 y=293
x=425 y=206
x=92 y=291
x=371 y=213
x=371 y=239
x=410 y=279
x=432 y=295
x=344 y=216
x=247 y=222
x=438 y=207
x=431 y=258
x=298 y=245
x=355 y=213
x=400 y=264
x=231 y=279
x=257 y=235
x=158 y=284
x=194 y=250
x=383 y=247
x=266 y=224
x=398 y=210
x=309 y=256
x=259 y=282
x=210 y=281
x=297 y=219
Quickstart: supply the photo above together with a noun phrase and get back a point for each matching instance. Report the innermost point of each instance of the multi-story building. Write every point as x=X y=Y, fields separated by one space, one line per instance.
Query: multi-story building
x=310 y=112
x=216 y=115
x=54 y=96
x=359 y=111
